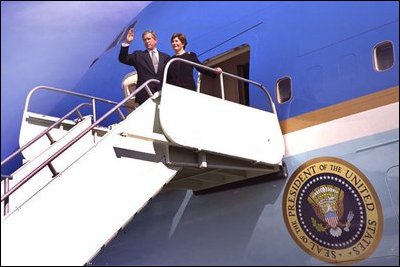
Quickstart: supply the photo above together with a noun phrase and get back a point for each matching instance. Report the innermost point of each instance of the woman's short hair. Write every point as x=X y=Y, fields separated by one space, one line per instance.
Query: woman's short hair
x=181 y=38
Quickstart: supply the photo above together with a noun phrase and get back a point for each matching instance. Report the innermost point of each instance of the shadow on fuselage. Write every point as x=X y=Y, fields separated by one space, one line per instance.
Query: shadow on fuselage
x=177 y=227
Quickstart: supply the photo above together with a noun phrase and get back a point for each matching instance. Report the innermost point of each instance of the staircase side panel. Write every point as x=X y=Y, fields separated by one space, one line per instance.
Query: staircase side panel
x=208 y=123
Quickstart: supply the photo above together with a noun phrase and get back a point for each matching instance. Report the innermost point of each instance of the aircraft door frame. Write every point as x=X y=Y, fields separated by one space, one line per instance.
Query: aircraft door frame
x=235 y=61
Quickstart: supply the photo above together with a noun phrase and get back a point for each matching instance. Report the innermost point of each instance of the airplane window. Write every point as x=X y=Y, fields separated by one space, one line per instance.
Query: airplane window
x=383 y=56
x=284 y=89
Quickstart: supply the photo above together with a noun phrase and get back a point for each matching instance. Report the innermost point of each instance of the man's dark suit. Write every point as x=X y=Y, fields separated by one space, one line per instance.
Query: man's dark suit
x=141 y=61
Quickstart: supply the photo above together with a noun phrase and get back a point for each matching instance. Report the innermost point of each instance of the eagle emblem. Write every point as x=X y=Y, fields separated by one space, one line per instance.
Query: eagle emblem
x=327 y=203
x=332 y=211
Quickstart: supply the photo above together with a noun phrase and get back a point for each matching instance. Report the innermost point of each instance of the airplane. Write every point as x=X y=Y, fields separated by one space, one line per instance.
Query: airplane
x=290 y=157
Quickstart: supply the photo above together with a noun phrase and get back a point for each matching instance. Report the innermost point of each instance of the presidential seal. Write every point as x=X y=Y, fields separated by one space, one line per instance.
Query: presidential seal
x=332 y=211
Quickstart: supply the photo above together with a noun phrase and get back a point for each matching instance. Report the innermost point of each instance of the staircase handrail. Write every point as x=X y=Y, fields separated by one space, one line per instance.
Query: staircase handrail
x=92 y=98
x=37 y=137
x=74 y=140
x=263 y=89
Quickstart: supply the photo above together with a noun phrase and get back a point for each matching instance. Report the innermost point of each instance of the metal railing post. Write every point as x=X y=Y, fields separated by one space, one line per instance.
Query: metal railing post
x=221 y=80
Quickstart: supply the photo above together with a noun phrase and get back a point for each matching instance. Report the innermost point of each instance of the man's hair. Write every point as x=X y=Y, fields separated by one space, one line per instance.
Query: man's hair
x=181 y=38
x=153 y=33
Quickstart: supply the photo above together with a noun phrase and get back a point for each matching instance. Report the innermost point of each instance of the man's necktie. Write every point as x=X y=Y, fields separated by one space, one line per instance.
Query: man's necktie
x=154 y=60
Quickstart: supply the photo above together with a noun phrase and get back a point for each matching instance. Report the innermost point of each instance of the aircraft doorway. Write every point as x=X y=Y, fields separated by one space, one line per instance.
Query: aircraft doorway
x=235 y=61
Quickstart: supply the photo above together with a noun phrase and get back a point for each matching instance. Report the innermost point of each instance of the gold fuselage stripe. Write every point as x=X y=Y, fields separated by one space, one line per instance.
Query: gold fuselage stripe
x=343 y=109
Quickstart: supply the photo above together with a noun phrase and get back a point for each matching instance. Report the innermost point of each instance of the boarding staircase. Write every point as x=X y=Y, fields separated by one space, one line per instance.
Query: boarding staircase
x=81 y=182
